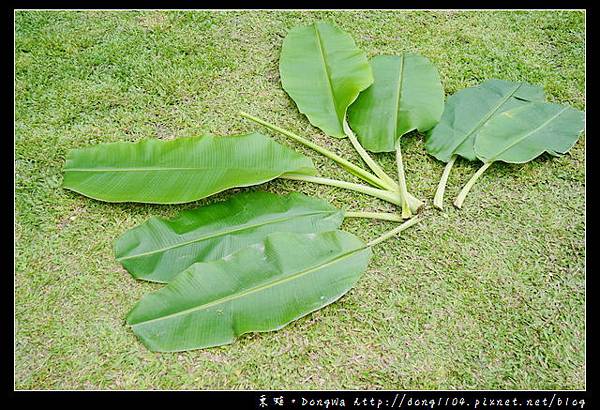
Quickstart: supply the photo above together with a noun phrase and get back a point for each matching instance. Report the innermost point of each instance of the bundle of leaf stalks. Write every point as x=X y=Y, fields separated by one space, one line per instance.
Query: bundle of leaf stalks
x=259 y=260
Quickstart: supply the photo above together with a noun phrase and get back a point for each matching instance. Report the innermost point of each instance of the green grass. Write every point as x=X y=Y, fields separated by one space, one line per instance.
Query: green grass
x=489 y=297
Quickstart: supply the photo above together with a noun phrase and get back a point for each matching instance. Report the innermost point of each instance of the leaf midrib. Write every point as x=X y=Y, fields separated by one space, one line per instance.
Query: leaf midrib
x=327 y=71
x=487 y=117
x=159 y=169
x=526 y=135
x=254 y=289
x=399 y=95
x=220 y=233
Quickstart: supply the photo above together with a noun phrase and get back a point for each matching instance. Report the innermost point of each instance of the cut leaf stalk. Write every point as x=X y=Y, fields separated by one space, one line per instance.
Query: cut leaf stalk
x=412 y=203
x=395 y=231
x=406 y=213
x=385 y=216
x=463 y=193
x=438 y=200
x=384 y=195
x=347 y=165
x=366 y=157
x=354 y=169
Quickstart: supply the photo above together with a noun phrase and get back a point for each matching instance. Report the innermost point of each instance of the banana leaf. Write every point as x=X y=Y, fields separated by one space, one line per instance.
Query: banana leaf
x=465 y=113
x=260 y=288
x=323 y=71
x=522 y=134
x=159 y=249
x=406 y=95
x=470 y=109
x=178 y=171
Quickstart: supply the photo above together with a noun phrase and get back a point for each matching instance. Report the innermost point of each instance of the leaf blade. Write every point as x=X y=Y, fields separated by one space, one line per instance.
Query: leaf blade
x=523 y=133
x=406 y=95
x=213 y=303
x=469 y=109
x=159 y=249
x=323 y=72
x=185 y=169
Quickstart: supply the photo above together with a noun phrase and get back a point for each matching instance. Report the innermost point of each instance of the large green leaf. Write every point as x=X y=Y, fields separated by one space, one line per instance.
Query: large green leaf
x=260 y=288
x=406 y=95
x=523 y=133
x=159 y=249
x=468 y=110
x=323 y=71
x=178 y=171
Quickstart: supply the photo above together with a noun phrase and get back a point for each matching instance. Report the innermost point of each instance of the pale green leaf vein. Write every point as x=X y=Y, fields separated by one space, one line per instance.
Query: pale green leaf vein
x=399 y=95
x=490 y=113
x=527 y=135
x=327 y=70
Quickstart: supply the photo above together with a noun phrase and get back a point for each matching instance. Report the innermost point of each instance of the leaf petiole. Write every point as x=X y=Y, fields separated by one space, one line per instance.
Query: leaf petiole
x=354 y=169
x=438 y=200
x=347 y=165
x=395 y=231
x=463 y=193
x=366 y=157
x=382 y=194
x=411 y=203
x=384 y=216
x=406 y=213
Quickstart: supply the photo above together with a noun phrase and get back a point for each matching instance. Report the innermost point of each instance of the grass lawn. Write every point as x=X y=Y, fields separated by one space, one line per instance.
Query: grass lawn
x=489 y=297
